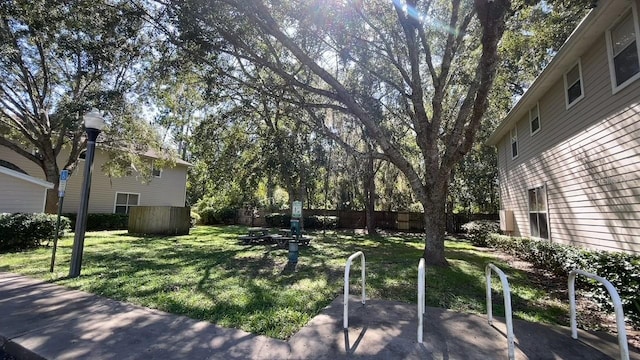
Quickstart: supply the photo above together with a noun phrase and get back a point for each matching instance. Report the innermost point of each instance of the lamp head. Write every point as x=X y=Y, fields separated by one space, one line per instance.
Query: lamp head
x=94 y=120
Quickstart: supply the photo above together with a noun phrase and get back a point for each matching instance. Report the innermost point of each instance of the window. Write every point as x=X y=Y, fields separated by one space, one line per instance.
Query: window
x=124 y=202
x=514 y=143
x=573 y=85
x=156 y=172
x=622 y=46
x=534 y=119
x=538 y=219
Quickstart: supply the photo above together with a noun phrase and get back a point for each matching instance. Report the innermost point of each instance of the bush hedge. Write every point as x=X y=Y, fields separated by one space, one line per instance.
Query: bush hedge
x=281 y=220
x=278 y=220
x=479 y=230
x=195 y=218
x=320 y=222
x=213 y=216
x=24 y=231
x=621 y=269
x=99 y=222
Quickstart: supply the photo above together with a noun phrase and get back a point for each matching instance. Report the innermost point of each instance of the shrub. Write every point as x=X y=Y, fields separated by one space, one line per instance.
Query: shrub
x=479 y=231
x=278 y=220
x=226 y=215
x=212 y=216
x=320 y=222
x=207 y=216
x=195 y=218
x=281 y=220
x=102 y=221
x=24 y=231
x=621 y=269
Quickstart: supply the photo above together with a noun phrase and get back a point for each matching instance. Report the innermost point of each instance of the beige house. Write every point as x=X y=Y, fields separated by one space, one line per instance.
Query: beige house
x=569 y=150
x=20 y=192
x=167 y=187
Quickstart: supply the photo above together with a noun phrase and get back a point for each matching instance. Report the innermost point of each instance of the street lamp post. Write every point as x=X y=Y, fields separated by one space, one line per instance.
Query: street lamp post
x=93 y=123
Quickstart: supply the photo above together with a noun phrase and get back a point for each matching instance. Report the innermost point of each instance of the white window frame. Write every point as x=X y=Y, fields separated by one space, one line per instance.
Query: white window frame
x=546 y=211
x=567 y=85
x=514 y=130
x=537 y=107
x=115 y=200
x=153 y=168
x=612 y=71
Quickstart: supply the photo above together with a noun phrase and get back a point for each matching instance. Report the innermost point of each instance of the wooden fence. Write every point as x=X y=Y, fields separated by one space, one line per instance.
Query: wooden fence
x=354 y=219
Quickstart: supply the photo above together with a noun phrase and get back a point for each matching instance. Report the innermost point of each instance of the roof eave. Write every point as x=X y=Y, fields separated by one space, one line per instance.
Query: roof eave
x=27 y=178
x=593 y=24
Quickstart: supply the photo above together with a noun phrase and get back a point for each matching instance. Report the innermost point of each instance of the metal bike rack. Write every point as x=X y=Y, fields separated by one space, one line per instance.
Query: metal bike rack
x=507 y=305
x=421 y=298
x=347 y=269
x=617 y=305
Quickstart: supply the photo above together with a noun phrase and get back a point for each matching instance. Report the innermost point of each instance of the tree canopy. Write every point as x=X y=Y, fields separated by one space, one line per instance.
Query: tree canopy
x=415 y=75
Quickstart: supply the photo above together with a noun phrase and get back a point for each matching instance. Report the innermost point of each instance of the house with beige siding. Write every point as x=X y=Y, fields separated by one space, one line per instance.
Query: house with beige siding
x=569 y=150
x=167 y=187
x=21 y=193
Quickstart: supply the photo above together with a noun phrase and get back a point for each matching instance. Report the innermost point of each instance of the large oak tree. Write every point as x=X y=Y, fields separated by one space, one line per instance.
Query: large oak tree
x=429 y=64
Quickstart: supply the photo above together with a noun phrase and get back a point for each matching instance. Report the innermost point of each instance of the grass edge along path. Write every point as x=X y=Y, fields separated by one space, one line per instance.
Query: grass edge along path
x=209 y=275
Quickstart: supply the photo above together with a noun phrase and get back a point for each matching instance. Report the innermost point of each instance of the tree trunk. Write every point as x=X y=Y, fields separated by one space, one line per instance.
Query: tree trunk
x=52 y=176
x=434 y=227
x=270 y=193
x=435 y=224
x=370 y=195
x=51 y=207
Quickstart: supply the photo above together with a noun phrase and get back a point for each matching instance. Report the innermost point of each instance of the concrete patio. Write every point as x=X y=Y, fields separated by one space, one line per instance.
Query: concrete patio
x=45 y=320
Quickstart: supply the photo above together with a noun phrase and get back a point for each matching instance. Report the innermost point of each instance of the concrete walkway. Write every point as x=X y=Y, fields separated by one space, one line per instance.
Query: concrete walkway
x=56 y=323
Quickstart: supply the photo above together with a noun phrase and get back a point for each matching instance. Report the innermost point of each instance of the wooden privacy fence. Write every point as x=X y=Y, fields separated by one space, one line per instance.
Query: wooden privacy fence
x=356 y=219
x=165 y=220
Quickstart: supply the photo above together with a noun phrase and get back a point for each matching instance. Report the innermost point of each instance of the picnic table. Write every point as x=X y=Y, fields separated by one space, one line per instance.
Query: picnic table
x=282 y=239
x=261 y=234
x=255 y=234
x=304 y=240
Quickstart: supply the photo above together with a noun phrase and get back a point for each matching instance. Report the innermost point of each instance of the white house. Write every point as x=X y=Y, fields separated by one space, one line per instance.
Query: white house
x=108 y=195
x=568 y=151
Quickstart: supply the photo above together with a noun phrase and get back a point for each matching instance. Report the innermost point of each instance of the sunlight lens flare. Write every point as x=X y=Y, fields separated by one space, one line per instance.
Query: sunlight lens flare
x=412 y=12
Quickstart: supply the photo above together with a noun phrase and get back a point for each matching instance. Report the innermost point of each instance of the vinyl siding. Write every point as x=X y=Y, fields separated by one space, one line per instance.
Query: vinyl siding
x=168 y=190
x=27 y=166
x=17 y=195
x=588 y=158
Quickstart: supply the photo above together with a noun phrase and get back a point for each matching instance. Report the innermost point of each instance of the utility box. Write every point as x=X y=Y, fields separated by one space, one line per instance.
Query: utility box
x=293 y=243
x=506 y=220
x=163 y=220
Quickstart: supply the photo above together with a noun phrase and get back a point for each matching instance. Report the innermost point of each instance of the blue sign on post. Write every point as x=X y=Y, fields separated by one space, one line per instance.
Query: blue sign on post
x=64 y=176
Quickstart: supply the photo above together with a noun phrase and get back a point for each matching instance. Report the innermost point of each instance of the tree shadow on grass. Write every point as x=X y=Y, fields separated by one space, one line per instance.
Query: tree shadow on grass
x=166 y=272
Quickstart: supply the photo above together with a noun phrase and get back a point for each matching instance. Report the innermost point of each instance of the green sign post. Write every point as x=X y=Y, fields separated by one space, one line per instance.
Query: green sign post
x=296 y=209
x=296 y=216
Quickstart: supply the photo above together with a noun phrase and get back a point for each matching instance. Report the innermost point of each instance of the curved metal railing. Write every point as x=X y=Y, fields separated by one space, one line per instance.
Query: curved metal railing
x=617 y=305
x=507 y=305
x=347 y=269
x=421 y=298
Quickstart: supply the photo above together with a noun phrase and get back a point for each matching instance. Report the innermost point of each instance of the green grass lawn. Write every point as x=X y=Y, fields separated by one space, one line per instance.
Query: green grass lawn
x=209 y=275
